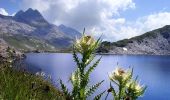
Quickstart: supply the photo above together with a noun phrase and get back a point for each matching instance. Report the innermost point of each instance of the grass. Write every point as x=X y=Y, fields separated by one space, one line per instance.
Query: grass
x=17 y=85
x=27 y=42
x=139 y=39
x=122 y=43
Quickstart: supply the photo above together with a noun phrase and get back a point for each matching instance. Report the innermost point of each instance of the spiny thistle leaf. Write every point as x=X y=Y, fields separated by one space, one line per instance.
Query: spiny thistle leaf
x=75 y=57
x=112 y=90
x=143 y=90
x=93 y=88
x=64 y=89
x=84 y=31
x=97 y=43
x=92 y=67
x=99 y=96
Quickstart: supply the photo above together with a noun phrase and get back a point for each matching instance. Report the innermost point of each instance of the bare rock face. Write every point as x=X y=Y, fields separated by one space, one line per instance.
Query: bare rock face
x=9 y=54
x=3 y=48
x=13 y=27
x=31 y=17
x=156 y=42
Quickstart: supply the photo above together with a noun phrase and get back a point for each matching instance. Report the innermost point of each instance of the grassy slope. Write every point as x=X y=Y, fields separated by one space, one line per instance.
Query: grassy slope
x=27 y=43
x=124 y=42
x=15 y=85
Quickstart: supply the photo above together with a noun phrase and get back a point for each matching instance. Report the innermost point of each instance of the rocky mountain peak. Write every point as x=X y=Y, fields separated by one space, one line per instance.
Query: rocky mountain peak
x=19 y=13
x=31 y=17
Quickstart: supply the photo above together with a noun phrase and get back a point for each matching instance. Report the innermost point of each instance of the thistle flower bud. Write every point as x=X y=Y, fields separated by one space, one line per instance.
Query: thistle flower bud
x=85 y=43
x=135 y=88
x=119 y=75
x=129 y=89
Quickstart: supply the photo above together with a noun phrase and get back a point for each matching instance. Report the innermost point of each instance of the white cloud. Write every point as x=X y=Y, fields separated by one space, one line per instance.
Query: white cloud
x=118 y=29
x=41 y=5
x=144 y=24
x=98 y=16
x=95 y=15
x=155 y=20
x=3 y=12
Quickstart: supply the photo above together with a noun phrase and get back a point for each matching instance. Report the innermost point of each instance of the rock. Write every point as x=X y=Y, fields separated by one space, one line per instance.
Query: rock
x=156 y=42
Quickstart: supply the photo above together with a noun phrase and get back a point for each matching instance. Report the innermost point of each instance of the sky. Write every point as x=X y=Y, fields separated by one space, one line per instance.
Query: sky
x=113 y=19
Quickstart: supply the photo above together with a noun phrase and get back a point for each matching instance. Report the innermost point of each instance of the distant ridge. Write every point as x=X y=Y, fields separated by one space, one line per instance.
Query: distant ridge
x=69 y=31
x=156 y=42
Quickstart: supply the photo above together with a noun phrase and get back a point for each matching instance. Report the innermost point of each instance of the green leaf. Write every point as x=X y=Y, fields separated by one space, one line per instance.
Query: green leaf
x=84 y=31
x=99 y=96
x=75 y=57
x=93 y=88
x=113 y=90
x=92 y=68
x=64 y=89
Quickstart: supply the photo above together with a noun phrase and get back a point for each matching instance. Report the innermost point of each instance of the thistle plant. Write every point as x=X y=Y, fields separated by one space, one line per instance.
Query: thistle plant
x=85 y=46
x=128 y=88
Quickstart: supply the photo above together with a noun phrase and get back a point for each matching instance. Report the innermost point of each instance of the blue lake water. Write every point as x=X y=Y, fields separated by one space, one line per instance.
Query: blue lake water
x=153 y=71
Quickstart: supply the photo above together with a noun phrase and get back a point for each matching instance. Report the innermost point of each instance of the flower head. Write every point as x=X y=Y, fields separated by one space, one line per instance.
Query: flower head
x=135 y=88
x=120 y=74
x=85 y=43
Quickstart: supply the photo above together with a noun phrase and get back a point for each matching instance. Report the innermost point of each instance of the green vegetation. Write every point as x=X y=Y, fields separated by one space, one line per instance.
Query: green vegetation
x=122 y=43
x=25 y=43
x=80 y=78
x=151 y=34
x=21 y=85
x=139 y=39
x=128 y=88
x=17 y=85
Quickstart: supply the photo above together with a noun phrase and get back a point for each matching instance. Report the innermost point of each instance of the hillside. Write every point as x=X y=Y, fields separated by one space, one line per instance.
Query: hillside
x=28 y=30
x=156 y=42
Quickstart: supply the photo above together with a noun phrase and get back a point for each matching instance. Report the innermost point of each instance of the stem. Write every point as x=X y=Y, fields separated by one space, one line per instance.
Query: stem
x=120 y=91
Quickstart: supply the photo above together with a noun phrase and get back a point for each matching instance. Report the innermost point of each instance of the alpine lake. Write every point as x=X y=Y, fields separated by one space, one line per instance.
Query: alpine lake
x=152 y=71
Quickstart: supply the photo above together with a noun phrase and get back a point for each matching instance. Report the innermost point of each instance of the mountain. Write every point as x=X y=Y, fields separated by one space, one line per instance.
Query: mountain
x=156 y=42
x=31 y=17
x=69 y=31
x=3 y=48
x=29 y=30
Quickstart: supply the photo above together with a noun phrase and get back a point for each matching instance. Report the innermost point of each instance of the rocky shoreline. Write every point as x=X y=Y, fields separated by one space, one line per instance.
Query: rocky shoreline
x=8 y=54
